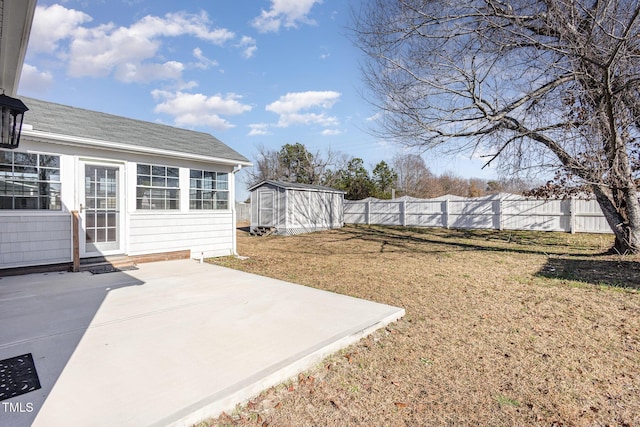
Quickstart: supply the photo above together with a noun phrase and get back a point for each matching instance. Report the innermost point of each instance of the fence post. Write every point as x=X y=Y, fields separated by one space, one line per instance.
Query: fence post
x=572 y=212
x=403 y=213
x=446 y=214
x=500 y=225
x=367 y=211
x=75 y=218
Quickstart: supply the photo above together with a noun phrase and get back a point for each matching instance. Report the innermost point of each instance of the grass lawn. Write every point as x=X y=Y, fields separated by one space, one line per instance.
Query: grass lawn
x=502 y=328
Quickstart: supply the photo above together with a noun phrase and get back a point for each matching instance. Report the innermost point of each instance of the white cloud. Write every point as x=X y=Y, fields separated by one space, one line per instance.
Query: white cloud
x=284 y=12
x=178 y=24
x=105 y=49
x=196 y=109
x=248 y=44
x=129 y=53
x=375 y=117
x=203 y=62
x=34 y=80
x=259 y=129
x=325 y=52
x=142 y=73
x=331 y=132
x=53 y=24
x=292 y=108
x=292 y=119
x=296 y=101
x=182 y=85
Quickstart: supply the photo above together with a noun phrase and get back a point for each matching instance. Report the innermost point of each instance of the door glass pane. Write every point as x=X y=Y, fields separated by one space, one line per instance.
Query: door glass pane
x=101 y=222
x=90 y=220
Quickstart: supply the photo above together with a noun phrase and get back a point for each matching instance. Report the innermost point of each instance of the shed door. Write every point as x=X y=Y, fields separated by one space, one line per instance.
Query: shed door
x=266 y=205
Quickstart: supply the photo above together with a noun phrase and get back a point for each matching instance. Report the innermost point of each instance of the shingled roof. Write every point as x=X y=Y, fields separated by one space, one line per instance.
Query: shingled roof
x=77 y=122
x=296 y=186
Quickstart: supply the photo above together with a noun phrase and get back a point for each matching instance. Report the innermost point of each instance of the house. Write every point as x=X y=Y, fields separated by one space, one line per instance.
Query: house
x=291 y=208
x=137 y=187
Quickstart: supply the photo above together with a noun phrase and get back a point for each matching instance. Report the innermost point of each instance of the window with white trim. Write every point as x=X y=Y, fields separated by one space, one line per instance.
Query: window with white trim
x=29 y=181
x=158 y=187
x=208 y=190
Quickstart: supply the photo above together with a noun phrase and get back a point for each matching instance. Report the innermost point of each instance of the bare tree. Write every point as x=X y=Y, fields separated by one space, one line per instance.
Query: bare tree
x=412 y=174
x=449 y=183
x=267 y=166
x=533 y=83
x=513 y=185
x=294 y=163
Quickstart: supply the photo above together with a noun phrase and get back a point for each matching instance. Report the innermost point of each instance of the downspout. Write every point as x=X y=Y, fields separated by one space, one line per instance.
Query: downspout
x=234 y=231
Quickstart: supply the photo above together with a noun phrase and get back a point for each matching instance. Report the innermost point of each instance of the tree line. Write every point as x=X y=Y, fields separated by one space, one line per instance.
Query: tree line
x=407 y=174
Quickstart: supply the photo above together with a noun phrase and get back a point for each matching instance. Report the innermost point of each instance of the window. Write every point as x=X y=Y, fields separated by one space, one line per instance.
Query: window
x=158 y=187
x=29 y=181
x=208 y=190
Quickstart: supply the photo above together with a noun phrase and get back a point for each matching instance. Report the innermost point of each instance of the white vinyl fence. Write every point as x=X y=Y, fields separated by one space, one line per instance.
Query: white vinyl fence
x=500 y=211
x=243 y=212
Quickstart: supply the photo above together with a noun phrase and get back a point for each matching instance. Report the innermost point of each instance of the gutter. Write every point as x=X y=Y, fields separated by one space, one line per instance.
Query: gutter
x=234 y=221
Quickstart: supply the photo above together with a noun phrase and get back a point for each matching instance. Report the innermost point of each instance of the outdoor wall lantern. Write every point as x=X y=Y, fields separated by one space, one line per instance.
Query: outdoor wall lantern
x=11 y=115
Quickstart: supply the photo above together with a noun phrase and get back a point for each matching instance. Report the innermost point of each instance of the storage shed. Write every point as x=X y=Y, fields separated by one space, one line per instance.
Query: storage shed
x=290 y=208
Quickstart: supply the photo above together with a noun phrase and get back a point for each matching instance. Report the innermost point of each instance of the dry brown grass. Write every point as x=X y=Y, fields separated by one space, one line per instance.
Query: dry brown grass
x=502 y=328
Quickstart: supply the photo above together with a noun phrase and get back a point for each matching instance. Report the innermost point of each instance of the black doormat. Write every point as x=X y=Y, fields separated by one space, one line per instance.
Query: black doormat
x=107 y=268
x=18 y=376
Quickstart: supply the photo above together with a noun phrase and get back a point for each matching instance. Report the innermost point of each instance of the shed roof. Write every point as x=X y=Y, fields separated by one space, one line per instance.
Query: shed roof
x=61 y=119
x=296 y=186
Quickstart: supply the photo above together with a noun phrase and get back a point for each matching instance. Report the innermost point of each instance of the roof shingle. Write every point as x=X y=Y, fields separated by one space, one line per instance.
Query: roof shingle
x=65 y=120
x=296 y=186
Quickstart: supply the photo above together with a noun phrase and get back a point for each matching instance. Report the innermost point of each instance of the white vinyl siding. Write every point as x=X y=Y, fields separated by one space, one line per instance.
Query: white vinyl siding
x=35 y=239
x=204 y=232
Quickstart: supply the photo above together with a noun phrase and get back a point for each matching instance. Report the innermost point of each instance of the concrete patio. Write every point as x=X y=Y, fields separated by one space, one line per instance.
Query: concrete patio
x=171 y=343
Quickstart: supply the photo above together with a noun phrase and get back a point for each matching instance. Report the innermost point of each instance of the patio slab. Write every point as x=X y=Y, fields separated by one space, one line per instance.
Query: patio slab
x=168 y=344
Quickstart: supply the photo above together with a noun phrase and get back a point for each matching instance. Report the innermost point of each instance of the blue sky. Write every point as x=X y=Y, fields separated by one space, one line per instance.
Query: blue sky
x=252 y=72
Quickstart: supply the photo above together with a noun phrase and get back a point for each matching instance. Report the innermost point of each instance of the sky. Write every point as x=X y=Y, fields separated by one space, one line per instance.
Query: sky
x=253 y=73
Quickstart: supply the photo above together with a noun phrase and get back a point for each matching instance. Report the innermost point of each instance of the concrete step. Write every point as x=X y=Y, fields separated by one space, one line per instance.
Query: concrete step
x=100 y=264
x=109 y=264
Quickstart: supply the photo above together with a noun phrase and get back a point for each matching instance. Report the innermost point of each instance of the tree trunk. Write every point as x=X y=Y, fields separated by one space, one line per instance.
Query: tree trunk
x=632 y=243
x=623 y=220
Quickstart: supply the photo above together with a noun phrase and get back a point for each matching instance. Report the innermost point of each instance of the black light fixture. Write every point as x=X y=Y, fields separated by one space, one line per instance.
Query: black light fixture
x=11 y=116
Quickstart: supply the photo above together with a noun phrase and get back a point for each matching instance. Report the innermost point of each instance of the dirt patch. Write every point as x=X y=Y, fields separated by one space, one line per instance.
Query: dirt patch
x=502 y=328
